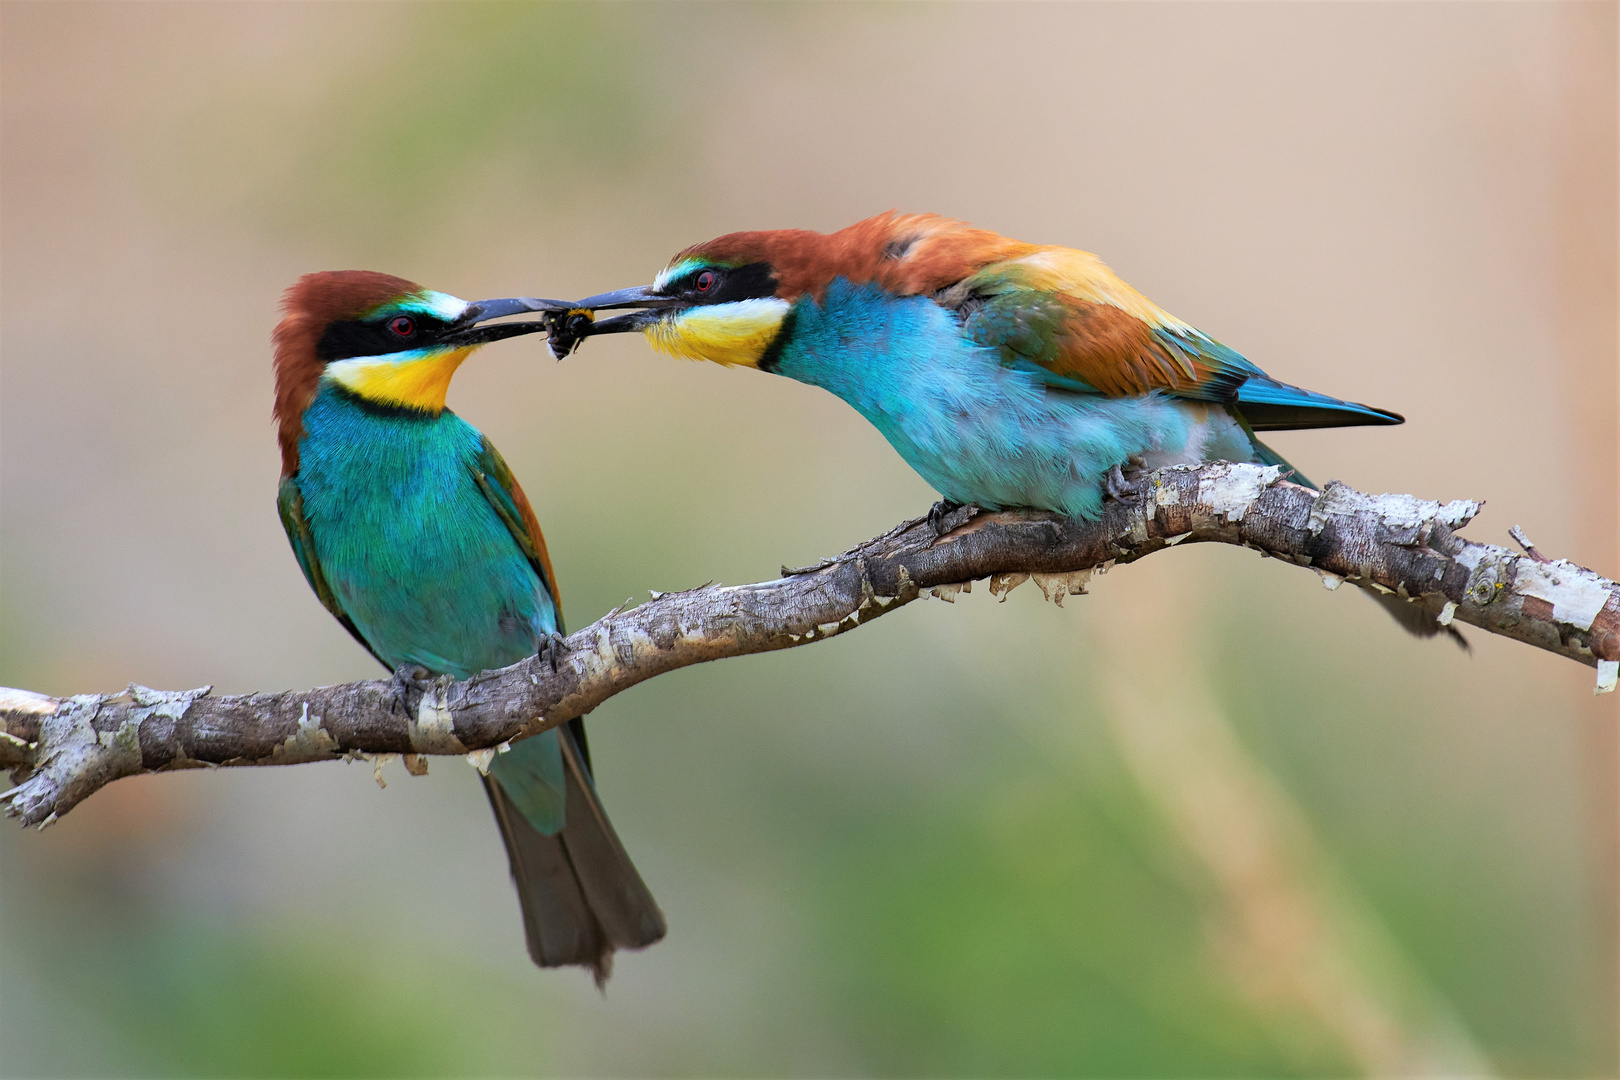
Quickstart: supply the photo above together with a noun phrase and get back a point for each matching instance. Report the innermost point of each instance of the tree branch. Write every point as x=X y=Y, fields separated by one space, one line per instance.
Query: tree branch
x=61 y=750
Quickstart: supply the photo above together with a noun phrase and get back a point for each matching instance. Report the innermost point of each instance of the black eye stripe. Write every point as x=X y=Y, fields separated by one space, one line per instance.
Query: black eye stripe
x=732 y=283
x=345 y=340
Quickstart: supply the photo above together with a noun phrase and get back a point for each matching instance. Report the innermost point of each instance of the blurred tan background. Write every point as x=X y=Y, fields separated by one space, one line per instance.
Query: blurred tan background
x=1210 y=820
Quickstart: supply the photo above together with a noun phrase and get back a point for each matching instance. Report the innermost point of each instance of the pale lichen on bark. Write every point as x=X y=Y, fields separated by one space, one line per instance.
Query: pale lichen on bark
x=62 y=750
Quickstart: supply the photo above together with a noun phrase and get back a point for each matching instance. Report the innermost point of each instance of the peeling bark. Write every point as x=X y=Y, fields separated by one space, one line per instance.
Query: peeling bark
x=61 y=750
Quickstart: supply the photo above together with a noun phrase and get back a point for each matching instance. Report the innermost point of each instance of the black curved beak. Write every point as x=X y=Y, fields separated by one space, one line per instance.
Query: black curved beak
x=470 y=328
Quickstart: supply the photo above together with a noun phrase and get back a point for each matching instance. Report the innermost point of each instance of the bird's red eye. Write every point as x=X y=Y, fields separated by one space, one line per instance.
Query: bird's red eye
x=402 y=325
x=705 y=281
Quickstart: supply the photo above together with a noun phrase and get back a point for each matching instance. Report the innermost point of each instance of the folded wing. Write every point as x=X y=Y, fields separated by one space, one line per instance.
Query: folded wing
x=1066 y=318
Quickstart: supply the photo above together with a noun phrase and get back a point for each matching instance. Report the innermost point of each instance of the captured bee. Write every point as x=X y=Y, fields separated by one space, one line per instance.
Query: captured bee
x=566 y=329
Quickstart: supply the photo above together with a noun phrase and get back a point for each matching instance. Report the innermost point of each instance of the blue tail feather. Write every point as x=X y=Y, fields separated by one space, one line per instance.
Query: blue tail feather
x=1269 y=405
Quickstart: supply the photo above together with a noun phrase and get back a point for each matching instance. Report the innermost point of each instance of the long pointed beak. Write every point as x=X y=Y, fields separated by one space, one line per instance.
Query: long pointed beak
x=485 y=310
x=621 y=324
x=471 y=330
x=642 y=296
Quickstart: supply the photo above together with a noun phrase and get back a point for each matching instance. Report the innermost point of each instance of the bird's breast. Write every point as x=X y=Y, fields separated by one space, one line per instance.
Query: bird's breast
x=418 y=558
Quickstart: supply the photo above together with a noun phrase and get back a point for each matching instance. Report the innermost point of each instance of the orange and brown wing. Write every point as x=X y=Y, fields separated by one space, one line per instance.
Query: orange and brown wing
x=1064 y=315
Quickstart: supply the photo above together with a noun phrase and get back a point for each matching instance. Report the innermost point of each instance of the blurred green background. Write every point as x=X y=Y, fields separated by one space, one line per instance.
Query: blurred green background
x=1210 y=820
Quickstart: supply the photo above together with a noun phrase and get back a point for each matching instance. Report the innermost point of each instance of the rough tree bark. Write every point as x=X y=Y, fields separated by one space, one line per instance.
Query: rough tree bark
x=61 y=750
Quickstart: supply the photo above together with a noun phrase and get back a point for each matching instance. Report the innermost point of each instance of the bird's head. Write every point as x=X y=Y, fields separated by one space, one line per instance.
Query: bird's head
x=386 y=340
x=731 y=299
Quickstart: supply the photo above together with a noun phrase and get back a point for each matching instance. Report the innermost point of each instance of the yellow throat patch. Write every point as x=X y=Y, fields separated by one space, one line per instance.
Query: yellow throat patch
x=415 y=380
x=734 y=334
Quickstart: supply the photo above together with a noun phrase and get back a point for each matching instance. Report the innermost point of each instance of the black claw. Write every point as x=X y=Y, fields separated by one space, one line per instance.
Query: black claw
x=408 y=677
x=939 y=512
x=553 y=649
x=1128 y=481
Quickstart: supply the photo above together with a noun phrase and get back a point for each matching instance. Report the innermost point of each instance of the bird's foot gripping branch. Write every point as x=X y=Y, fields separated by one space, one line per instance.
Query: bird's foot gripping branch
x=61 y=750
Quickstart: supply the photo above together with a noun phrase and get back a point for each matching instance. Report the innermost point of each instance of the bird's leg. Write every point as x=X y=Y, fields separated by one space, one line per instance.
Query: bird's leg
x=552 y=649
x=1126 y=481
x=408 y=677
x=939 y=512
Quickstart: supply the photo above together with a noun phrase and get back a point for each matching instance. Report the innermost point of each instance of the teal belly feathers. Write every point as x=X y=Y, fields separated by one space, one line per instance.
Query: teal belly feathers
x=980 y=430
x=418 y=558
x=422 y=564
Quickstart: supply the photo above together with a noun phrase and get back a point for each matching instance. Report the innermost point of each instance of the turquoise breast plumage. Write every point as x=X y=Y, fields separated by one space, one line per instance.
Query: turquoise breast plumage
x=417 y=557
x=978 y=429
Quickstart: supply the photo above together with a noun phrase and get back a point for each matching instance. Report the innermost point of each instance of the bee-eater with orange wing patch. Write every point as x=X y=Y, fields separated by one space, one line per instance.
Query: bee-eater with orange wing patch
x=1007 y=374
x=413 y=532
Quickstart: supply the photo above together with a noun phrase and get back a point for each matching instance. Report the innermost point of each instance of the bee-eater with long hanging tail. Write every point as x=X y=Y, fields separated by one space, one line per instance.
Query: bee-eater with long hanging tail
x=413 y=532
x=1008 y=374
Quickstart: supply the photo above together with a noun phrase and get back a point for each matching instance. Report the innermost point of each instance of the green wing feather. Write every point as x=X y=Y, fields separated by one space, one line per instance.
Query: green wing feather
x=290 y=502
x=501 y=488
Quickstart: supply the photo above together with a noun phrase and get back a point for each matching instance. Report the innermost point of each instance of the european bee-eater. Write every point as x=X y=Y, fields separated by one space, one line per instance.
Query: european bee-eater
x=413 y=533
x=1008 y=374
